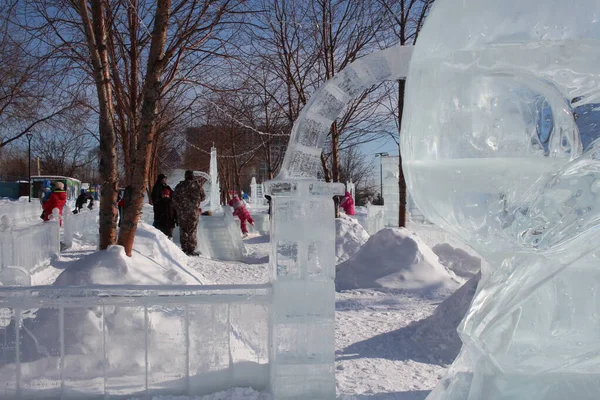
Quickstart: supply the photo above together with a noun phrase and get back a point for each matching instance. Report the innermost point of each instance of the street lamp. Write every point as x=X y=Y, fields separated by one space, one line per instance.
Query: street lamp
x=381 y=155
x=29 y=137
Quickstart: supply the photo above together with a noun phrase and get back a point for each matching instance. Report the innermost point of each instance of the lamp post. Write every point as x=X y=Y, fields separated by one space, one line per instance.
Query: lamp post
x=29 y=137
x=381 y=155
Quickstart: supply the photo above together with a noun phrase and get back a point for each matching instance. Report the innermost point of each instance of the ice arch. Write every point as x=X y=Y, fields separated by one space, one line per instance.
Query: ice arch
x=303 y=156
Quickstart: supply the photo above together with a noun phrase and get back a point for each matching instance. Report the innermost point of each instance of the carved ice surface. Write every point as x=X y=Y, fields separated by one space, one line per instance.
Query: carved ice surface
x=492 y=152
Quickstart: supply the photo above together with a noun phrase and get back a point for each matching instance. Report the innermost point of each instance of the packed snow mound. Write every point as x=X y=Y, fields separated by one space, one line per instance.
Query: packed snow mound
x=457 y=260
x=438 y=332
x=155 y=260
x=350 y=236
x=396 y=259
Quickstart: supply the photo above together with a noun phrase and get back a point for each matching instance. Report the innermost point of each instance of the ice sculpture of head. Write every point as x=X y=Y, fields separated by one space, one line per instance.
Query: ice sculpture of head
x=489 y=107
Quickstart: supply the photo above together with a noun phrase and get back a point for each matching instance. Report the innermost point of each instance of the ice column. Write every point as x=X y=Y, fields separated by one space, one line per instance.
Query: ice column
x=302 y=263
x=215 y=190
x=391 y=194
x=254 y=195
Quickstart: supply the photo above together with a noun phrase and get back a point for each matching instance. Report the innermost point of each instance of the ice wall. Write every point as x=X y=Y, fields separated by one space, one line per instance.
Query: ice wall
x=28 y=246
x=492 y=152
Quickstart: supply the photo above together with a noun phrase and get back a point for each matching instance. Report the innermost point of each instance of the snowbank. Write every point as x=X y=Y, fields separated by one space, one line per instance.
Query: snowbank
x=438 y=332
x=350 y=236
x=394 y=258
x=155 y=261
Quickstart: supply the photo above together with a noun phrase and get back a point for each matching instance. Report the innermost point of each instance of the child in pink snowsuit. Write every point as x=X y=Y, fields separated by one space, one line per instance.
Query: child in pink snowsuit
x=347 y=204
x=239 y=209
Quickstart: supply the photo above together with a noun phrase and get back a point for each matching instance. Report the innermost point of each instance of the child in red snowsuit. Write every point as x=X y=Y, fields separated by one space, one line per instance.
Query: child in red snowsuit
x=347 y=204
x=239 y=210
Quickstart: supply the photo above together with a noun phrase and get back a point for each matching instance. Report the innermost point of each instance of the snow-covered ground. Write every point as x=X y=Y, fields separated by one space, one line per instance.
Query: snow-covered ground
x=390 y=341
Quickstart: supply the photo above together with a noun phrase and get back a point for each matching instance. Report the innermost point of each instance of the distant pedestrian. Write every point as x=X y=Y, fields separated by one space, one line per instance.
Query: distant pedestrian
x=157 y=189
x=347 y=204
x=165 y=216
x=57 y=199
x=82 y=199
x=268 y=202
x=187 y=197
x=240 y=210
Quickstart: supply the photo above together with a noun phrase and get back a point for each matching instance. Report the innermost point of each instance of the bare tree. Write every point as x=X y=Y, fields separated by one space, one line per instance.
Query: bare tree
x=29 y=99
x=406 y=18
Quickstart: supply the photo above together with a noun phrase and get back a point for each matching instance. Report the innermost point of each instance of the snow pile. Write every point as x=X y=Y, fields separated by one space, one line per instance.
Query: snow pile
x=155 y=261
x=394 y=258
x=350 y=236
x=231 y=394
x=457 y=260
x=438 y=332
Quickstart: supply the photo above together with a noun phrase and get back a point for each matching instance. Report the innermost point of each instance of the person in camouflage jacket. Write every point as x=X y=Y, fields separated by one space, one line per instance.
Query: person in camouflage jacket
x=187 y=197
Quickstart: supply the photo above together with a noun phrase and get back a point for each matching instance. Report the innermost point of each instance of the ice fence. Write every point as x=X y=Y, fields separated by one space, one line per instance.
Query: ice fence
x=119 y=342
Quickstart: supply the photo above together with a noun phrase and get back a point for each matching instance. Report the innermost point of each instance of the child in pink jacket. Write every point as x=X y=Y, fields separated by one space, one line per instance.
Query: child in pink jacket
x=347 y=204
x=239 y=210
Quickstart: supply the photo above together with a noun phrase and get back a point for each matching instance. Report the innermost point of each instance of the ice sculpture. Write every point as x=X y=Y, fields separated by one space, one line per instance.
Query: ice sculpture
x=257 y=196
x=215 y=187
x=302 y=255
x=219 y=236
x=391 y=195
x=492 y=152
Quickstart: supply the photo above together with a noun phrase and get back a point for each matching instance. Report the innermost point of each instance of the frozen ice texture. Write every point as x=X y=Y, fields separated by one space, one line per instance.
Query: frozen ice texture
x=257 y=193
x=83 y=225
x=492 y=152
x=27 y=246
x=351 y=188
x=303 y=156
x=391 y=196
x=219 y=236
x=302 y=262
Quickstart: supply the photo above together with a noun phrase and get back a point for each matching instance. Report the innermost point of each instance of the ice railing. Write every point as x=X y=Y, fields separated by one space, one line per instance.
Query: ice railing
x=28 y=246
x=118 y=342
x=83 y=225
x=21 y=211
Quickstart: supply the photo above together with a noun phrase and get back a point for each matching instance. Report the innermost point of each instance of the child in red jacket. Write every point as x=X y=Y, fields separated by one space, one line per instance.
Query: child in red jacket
x=239 y=210
x=57 y=199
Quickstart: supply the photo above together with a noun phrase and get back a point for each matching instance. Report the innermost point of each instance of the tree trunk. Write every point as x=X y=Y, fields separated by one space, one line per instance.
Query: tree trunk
x=151 y=93
x=401 y=181
x=96 y=37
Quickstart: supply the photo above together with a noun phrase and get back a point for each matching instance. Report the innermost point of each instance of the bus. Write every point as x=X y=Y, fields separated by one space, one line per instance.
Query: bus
x=72 y=186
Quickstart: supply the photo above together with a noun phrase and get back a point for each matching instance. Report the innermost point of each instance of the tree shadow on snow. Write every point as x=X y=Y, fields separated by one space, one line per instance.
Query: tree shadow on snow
x=412 y=395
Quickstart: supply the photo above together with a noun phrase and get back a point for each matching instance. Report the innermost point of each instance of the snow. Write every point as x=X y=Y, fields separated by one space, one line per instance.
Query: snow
x=397 y=259
x=394 y=338
x=350 y=236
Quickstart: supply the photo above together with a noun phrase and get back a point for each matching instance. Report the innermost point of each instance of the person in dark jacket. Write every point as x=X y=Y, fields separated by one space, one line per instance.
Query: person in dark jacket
x=57 y=199
x=156 y=195
x=82 y=199
x=165 y=215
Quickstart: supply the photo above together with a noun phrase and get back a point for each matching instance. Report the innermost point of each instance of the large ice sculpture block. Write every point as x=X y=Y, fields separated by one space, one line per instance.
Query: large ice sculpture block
x=302 y=262
x=492 y=152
